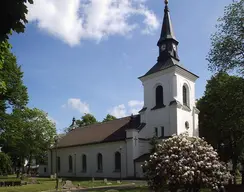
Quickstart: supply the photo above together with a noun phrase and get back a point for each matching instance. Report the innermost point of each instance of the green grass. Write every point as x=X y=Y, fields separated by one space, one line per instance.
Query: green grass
x=49 y=184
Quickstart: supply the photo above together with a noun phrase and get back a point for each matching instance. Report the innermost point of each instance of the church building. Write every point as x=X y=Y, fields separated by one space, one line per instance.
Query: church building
x=117 y=148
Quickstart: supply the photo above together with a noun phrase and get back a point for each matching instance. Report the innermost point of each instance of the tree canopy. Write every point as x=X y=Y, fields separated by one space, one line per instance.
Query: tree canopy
x=13 y=17
x=5 y=165
x=221 y=119
x=109 y=118
x=86 y=119
x=15 y=94
x=28 y=134
x=227 y=49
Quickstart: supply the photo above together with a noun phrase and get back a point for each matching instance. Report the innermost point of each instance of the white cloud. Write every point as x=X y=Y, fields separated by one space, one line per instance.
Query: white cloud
x=121 y=110
x=77 y=104
x=118 y=111
x=73 y=20
x=135 y=103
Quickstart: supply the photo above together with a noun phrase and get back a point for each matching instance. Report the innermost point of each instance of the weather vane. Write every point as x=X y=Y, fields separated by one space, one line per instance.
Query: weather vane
x=166 y=2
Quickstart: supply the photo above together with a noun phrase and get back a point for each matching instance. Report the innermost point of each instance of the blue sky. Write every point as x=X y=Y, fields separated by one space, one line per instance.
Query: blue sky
x=85 y=56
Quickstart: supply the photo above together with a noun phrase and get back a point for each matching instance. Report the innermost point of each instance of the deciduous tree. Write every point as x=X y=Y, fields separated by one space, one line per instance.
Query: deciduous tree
x=15 y=94
x=109 y=118
x=221 y=120
x=86 y=119
x=5 y=164
x=28 y=135
x=227 y=49
x=13 y=17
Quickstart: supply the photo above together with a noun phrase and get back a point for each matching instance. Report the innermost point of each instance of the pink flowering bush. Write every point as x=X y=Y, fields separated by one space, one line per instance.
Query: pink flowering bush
x=185 y=162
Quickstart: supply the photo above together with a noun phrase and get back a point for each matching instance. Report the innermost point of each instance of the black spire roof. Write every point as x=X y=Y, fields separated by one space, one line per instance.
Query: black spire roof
x=167 y=43
x=167 y=32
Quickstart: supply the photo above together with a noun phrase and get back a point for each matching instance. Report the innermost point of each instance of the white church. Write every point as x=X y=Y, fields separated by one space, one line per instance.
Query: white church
x=117 y=148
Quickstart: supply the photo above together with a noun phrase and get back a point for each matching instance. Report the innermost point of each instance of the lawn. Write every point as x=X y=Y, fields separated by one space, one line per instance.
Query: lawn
x=48 y=184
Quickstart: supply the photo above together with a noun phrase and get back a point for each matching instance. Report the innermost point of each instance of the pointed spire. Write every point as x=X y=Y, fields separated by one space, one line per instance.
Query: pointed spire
x=167 y=31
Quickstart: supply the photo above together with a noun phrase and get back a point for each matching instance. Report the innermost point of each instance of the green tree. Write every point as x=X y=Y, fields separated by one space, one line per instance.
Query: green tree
x=4 y=47
x=109 y=118
x=221 y=119
x=5 y=164
x=154 y=142
x=13 y=17
x=15 y=94
x=227 y=49
x=28 y=135
x=86 y=119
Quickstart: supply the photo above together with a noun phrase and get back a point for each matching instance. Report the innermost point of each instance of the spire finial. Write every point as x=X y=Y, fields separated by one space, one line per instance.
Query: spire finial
x=166 y=2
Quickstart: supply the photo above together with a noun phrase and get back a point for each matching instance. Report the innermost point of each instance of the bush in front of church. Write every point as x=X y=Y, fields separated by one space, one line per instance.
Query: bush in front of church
x=185 y=162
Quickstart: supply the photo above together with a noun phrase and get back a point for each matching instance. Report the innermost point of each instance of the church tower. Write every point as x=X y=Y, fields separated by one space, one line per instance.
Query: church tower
x=169 y=90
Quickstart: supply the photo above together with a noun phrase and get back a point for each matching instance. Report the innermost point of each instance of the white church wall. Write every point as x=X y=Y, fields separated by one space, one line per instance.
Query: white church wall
x=144 y=147
x=160 y=117
x=43 y=171
x=163 y=78
x=172 y=119
x=196 y=127
x=191 y=85
x=184 y=116
x=91 y=151
x=138 y=169
x=132 y=146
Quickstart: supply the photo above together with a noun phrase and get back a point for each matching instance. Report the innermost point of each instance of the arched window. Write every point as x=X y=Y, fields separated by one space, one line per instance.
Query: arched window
x=159 y=96
x=70 y=163
x=99 y=162
x=84 y=163
x=187 y=125
x=58 y=163
x=117 y=161
x=185 y=95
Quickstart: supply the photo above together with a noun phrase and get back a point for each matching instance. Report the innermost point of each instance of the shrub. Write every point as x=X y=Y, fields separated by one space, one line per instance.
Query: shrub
x=183 y=161
x=5 y=164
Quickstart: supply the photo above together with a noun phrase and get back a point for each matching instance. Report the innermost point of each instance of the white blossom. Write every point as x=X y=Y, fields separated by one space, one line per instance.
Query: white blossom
x=184 y=160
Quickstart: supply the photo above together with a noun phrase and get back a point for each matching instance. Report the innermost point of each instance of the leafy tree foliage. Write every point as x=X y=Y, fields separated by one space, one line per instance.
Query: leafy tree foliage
x=185 y=161
x=29 y=133
x=86 y=119
x=5 y=164
x=13 y=17
x=109 y=118
x=221 y=119
x=227 y=50
x=3 y=49
x=153 y=142
x=15 y=94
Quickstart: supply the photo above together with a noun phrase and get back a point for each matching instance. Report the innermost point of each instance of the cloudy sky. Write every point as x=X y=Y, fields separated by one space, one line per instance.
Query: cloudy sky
x=84 y=56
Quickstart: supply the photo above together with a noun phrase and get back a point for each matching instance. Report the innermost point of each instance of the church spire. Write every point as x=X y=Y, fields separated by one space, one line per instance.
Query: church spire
x=167 y=42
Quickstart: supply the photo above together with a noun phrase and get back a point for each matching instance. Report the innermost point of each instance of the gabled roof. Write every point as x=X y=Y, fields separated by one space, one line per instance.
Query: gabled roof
x=143 y=157
x=161 y=65
x=110 y=131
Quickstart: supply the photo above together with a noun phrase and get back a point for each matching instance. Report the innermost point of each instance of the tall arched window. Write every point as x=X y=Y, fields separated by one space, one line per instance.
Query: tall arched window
x=70 y=163
x=159 y=96
x=117 y=161
x=58 y=164
x=84 y=163
x=185 y=95
x=99 y=162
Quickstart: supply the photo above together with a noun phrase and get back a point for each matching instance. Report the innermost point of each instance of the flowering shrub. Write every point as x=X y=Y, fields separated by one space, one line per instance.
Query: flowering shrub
x=183 y=161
